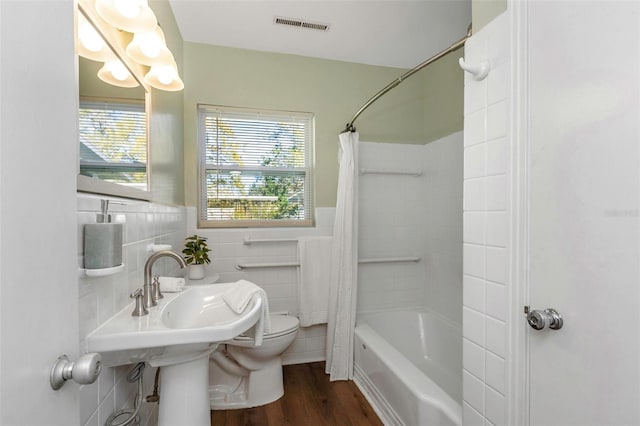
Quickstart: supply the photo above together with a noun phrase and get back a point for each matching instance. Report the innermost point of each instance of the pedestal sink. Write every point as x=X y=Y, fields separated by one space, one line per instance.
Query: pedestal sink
x=177 y=335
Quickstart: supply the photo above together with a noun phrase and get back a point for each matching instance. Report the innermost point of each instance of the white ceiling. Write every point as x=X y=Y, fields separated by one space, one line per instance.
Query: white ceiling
x=397 y=33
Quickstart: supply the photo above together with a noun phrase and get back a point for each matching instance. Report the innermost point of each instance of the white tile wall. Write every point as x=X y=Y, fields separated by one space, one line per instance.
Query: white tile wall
x=391 y=224
x=412 y=216
x=280 y=284
x=486 y=227
x=100 y=298
x=444 y=222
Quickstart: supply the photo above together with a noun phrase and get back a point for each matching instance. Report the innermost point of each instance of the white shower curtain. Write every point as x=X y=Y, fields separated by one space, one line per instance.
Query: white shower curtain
x=344 y=264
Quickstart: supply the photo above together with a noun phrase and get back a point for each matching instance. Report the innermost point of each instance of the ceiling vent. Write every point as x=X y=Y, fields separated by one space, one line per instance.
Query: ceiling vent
x=293 y=22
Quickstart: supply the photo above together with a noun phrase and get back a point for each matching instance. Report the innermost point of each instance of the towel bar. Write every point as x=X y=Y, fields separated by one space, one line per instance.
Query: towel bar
x=391 y=172
x=248 y=241
x=388 y=259
x=241 y=266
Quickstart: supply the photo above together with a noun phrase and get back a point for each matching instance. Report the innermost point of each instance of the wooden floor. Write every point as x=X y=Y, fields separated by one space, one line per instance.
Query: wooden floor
x=309 y=400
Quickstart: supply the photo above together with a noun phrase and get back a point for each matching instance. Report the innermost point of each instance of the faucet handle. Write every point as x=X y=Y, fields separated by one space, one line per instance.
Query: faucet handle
x=139 y=310
x=155 y=288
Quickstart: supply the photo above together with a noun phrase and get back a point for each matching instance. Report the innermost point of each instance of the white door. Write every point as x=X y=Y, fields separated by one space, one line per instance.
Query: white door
x=584 y=257
x=38 y=227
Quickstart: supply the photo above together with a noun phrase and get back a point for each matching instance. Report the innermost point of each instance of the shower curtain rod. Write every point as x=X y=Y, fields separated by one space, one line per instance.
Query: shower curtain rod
x=455 y=46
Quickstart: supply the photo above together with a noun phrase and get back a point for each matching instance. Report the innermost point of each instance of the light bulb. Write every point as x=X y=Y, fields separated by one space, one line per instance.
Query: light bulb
x=118 y=70
x=89 y=37
x=150 y=44
x=165 y=74
x=127 y=8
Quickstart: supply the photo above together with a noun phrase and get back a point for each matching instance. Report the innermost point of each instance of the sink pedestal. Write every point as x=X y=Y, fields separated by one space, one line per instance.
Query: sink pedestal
x=184 y=394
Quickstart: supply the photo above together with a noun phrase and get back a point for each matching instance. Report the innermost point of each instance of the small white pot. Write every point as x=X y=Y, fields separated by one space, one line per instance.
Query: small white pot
x=196 y=272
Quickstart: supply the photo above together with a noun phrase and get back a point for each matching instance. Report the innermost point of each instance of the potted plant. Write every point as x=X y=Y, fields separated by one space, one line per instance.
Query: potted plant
x=196 y=254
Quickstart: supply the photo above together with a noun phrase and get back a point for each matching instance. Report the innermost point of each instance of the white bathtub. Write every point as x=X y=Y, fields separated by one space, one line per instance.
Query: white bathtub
x=408 y=364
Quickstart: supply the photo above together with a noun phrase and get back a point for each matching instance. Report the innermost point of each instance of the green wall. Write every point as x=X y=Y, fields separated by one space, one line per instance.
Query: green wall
x=332 y=90
x=483 y=12
x=443 y=97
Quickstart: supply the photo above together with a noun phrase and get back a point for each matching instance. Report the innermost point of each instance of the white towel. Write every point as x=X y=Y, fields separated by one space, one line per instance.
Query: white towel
x=238 y=296
x=171 y=284
x=314 y=254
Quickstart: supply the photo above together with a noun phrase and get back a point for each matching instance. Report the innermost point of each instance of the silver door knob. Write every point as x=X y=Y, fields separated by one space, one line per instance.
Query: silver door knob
x=84 y=371
x=540 y=319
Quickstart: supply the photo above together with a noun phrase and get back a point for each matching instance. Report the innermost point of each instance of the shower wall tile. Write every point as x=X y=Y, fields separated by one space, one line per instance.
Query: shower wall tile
x=496 y=336
x=496 y=229
x=496 y=301
x=475 y=127
x=497 y=90
x=474 y=227
x=99 y=298
x=474 y=260
x=474 y=164
x=473 y=326
x=474 y=293
x=495 y=372
x=494 y=406
x=496 y=263
x=497 y=120
x=473 y=357
x=497 y=157
x=473 y=391
x=412 y=216
x=474 y=97
x=471 y=417
x=486 y=261
x=474 y=194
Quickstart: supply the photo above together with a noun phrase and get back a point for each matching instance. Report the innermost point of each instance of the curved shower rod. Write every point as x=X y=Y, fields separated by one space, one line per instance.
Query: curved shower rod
x=455 y=46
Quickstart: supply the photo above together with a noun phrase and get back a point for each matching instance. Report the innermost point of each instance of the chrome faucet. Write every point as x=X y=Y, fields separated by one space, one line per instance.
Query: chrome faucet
x=148 y=299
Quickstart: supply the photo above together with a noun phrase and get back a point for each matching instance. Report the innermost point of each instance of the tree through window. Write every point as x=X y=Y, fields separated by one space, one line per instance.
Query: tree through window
x=255 y=167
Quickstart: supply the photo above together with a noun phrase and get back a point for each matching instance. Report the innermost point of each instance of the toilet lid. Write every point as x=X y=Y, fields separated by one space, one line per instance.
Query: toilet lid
x=280 y=325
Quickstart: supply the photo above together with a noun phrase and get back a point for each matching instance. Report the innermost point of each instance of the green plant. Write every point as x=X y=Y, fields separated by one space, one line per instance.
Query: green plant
x=196 y=250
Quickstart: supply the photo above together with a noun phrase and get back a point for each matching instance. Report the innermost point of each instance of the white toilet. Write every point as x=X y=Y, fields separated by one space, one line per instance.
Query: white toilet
x=242 y=375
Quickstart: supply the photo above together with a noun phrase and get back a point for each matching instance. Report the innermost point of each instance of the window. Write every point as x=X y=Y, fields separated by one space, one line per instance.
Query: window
x=113 y=141
x=255 y=168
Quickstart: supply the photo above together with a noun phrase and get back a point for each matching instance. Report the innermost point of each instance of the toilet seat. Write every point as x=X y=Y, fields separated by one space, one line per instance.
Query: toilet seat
x=280 y=325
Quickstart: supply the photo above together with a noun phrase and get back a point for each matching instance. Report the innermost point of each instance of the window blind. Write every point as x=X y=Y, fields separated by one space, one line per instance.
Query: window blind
x=113 y=141
x=255 y=167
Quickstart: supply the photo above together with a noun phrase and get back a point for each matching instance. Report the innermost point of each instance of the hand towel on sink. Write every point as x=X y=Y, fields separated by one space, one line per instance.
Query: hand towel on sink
x=171 y=284
x=238 y=296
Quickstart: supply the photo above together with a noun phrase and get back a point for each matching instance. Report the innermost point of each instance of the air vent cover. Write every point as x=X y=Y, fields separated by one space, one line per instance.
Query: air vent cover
x=293 y=22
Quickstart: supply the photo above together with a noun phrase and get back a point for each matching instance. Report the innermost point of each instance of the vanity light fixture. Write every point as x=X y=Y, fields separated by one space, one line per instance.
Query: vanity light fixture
x=115 y=73
x=91 y=45
x=147 y=47
x=150 y=48
x=164 y=77
x=128 y=15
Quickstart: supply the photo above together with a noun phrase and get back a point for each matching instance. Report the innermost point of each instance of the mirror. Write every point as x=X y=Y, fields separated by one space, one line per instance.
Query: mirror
x=113 y=125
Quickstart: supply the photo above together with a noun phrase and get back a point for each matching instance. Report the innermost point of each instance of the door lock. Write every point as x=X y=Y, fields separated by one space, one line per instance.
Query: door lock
x=540 y=319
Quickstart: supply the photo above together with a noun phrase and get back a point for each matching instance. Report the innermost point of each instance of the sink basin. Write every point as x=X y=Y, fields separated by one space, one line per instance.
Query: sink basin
x=201 y=307
x=183 y=325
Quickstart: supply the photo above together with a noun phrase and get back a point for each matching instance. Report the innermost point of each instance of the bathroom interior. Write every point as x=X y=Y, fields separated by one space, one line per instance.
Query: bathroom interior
x=495 y=207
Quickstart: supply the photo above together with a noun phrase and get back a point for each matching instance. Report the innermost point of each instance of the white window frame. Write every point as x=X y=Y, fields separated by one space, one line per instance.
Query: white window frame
x=205 y=111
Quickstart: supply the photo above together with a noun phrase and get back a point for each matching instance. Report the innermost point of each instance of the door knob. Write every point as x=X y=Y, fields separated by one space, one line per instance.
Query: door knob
x=540 y=319
x=84 y=371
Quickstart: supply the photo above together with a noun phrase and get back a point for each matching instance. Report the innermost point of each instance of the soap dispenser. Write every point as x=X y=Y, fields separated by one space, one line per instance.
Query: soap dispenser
x=102 y=241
